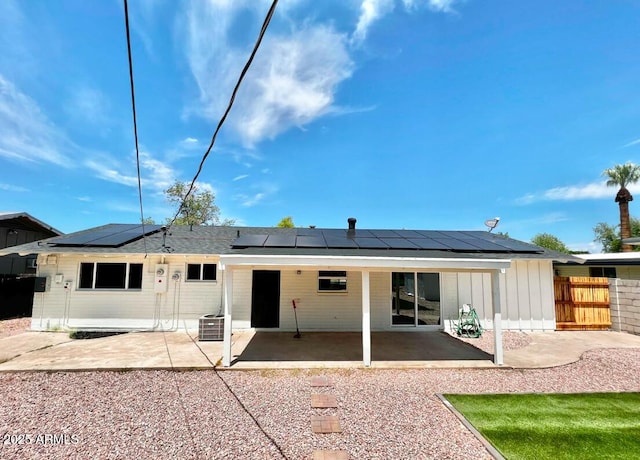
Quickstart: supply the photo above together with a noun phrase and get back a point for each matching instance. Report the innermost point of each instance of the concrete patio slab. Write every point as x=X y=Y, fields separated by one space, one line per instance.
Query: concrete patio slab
x=550 y=349
x=20 y=344
x=34 y=351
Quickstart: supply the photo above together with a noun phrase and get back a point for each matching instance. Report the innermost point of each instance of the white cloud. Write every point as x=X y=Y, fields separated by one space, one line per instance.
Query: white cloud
x=292 y=81
x=374 y=10
x=262 y=192
x=240 y=177
x=13 y=188
x=155 y=174
x=250 y=201
x=636 y=142
x=445 y=6
x=26 y=133
x=370 y=11
x=189 y=141
x=594 y=190
x=88 y=105
x=86 y=199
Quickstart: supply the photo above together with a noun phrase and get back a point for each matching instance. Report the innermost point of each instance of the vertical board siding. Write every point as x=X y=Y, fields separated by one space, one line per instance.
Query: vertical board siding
x=449 y=301
x=527 y=300
x=535 y=300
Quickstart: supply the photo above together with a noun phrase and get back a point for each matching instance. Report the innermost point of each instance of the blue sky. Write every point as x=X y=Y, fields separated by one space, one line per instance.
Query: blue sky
x=418 y=114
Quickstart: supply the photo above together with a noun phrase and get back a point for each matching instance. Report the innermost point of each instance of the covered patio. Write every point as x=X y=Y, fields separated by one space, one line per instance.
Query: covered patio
x=364 y=346
x=344 y=349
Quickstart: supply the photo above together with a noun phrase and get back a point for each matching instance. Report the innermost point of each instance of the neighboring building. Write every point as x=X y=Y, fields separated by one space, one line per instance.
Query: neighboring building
x=624 y=265
x=18 y=228
x=17 y=271
x=340 y=279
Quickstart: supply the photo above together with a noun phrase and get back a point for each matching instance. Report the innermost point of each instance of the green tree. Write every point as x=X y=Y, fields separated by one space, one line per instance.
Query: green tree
x=609 y=237
x=621 y=176
x=286 y=222
x=549 y=241
x=198 y=209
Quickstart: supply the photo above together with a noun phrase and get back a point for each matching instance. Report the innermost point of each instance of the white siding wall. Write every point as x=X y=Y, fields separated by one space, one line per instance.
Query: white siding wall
x=242 y=299
x=527 y=302
x=335 y=311
x=75 y=308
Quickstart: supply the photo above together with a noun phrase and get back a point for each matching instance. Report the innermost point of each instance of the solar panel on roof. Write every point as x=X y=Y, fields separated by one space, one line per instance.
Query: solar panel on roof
x=360 y=234
x=335 y=242
x=250 y=241
x=456 y=245
x=485 y=245
x=280 y=241
x=309 y=232
x=81 y=239
x=429 y=234
x=428 y=243
x=399 y=243
x=113 y=236
x=385 y=234
x=371 y=243
x=310 y=242
x=409 y=234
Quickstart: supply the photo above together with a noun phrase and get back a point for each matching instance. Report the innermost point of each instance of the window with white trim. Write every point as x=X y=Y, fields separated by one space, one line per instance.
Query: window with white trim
x=602 y=272
x=201 y=272
x=332 y=281
x=110 y=275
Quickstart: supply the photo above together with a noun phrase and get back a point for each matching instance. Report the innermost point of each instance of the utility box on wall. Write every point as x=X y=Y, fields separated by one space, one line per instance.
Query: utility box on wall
x=40 y=284
x=161 y=276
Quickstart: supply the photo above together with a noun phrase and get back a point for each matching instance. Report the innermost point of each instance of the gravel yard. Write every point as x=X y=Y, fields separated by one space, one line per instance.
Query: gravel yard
x=14 y=326
x=266 y=414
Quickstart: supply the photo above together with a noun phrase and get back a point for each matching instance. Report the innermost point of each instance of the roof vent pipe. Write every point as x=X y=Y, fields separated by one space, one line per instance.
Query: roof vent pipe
x=352 y=223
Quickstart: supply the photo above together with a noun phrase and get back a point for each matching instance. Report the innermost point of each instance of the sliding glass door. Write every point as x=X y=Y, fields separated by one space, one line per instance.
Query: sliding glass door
x=415 y=299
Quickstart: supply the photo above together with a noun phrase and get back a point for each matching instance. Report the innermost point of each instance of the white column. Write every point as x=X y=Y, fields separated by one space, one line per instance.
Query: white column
x=366 y=320
x=497 y=317
x=228 y=304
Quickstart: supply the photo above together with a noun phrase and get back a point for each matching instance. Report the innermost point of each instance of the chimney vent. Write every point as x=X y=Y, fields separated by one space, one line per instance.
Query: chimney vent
x=352 y=223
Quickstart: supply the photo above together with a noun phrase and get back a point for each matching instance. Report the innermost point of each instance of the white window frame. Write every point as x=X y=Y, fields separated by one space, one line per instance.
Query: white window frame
x=333 y=275
x=200 y=280
x=95 y=275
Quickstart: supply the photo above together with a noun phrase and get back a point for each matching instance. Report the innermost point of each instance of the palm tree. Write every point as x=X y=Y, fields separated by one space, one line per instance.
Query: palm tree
x=621 y=176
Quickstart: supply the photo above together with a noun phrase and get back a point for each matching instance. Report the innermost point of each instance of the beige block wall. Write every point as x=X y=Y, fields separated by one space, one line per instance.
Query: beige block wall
x=625 y=305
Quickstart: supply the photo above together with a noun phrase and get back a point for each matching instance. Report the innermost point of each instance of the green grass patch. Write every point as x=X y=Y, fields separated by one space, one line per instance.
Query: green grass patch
x=556 y=426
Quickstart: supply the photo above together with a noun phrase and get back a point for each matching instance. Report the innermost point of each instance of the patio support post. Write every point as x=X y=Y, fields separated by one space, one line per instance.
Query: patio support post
x=366 y=320
x=497 y=317
x=228 y=304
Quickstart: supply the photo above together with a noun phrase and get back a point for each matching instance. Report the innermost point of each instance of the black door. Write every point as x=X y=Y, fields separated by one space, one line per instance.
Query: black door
x=265 y=299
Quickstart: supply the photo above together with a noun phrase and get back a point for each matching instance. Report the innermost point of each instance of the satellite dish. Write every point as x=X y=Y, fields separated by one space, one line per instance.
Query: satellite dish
x=492 y=223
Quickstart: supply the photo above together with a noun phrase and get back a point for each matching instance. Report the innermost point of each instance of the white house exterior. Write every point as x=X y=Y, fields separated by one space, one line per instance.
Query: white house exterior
x=623 y=265
x=168 y=280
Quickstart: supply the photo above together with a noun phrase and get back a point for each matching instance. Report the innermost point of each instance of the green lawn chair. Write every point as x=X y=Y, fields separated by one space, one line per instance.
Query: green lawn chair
x=468 y=322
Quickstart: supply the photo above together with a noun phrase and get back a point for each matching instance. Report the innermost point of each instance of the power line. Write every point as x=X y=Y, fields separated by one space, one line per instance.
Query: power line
x=135 y=123
x=265 y=24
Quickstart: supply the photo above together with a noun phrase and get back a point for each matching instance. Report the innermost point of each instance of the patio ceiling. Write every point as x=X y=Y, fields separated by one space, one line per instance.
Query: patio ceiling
x=364 y=262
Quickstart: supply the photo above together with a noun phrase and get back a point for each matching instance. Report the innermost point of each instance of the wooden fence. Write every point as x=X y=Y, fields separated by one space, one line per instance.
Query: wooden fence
x=582 y=303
